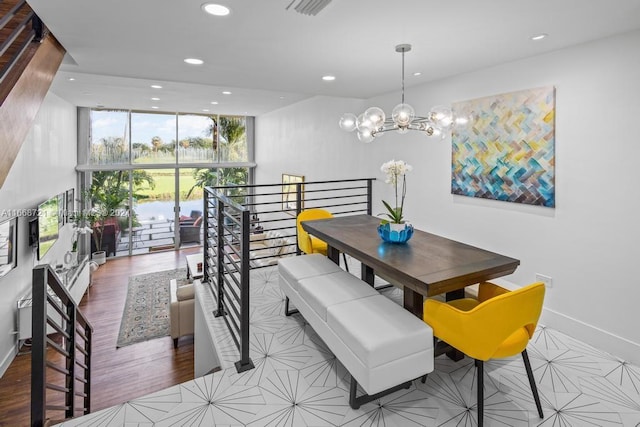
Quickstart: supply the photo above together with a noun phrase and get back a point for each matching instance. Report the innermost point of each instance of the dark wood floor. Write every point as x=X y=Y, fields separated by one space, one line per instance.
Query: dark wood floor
x=118 y=374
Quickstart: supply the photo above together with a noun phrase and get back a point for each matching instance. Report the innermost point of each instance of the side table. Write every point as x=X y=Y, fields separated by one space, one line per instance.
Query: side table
x=192 y=266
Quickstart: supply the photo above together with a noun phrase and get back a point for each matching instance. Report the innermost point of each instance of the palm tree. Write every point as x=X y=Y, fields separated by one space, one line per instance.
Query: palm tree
x=220 y=177
x=231 y=131
x=156 y=142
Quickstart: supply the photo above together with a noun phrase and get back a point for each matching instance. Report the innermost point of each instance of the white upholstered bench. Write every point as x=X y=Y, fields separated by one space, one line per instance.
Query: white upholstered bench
x=383 y=346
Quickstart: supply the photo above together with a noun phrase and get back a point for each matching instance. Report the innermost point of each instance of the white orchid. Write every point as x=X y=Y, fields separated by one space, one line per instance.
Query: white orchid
x=77 y=230
x=394 y=170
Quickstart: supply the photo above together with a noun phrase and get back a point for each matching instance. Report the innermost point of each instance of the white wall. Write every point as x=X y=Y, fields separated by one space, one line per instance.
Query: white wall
x=44 y=167
x=289 y=141
x=588 y=244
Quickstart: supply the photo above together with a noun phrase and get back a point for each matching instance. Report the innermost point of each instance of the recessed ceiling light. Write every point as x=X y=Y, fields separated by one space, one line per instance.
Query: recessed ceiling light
x=226 y=92
x=156 y=86
x=214 y=102
x=205 y=110
x=417 y=73
x=100 y=106
x=328 y=78
x=539 y=36
x=282 y=97
x=71 y=79
x=155 y=99
x=155 y=107
x=216 y=9
x=194 y=61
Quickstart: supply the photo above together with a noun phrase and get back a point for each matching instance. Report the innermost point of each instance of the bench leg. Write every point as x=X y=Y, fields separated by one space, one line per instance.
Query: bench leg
x=356 y=402
x=346 y=264
x=286 y=308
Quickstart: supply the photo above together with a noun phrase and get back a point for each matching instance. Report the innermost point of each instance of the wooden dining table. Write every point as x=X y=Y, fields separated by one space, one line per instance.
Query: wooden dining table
x=425 y=266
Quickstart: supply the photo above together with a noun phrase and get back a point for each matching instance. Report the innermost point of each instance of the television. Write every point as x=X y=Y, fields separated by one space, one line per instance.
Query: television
x=48 y=225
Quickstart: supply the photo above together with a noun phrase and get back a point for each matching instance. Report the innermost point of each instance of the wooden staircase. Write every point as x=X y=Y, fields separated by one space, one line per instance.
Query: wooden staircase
x=29 y=60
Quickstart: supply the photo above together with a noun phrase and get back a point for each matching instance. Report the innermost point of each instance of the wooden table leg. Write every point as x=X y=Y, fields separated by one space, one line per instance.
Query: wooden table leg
x=455 y=355
x=413 y=302
x=366 y=274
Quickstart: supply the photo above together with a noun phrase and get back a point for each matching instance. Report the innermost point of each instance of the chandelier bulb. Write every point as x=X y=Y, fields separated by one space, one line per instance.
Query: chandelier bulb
x=375 y=116
x=403 y=114
x=363 y=123
x=442 y=116
x=348 y=122
x=365 y=136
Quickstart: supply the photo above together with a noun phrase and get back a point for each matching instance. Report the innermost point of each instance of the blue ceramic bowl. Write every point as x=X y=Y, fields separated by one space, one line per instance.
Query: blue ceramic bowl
x=392 y=236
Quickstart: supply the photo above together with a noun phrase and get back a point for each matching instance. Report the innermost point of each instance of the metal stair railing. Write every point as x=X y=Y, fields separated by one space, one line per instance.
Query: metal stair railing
x=60 y=352
x=235 y=217
x=27 y=28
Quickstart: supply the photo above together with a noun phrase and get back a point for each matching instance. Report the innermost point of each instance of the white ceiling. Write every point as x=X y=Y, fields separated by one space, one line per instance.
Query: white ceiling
x=269 y=57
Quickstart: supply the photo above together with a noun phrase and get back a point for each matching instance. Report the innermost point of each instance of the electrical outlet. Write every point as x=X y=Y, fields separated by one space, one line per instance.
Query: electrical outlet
x=547 y=280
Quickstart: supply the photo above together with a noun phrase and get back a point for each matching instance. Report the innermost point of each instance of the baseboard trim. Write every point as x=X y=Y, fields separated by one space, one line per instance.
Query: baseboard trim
x=617 y=346
x=7 y=359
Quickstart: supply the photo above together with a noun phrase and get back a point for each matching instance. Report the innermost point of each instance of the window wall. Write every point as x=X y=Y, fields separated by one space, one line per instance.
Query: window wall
x=196 y=139
x=168 y=159
x=109 y=143
x=153 y=138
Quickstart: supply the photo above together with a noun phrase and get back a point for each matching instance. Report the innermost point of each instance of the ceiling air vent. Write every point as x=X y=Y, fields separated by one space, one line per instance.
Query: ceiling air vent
x=309 y=7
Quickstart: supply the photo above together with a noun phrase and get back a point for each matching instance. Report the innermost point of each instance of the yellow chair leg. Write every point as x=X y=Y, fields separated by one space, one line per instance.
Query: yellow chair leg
x=532 y=382
x=480 y=369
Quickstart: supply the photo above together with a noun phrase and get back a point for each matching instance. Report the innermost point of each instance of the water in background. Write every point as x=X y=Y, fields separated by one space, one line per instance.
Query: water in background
x=164 y=210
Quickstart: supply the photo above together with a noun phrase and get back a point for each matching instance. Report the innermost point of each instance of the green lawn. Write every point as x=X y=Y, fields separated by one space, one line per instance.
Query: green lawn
x=165 y=185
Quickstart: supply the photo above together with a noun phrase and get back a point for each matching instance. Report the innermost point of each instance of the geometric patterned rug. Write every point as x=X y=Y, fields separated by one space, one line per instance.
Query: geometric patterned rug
x=298 y=382
x=146 y=310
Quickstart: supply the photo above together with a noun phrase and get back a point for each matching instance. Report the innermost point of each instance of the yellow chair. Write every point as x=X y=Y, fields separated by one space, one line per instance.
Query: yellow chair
x=498 y=324
x=308 y=243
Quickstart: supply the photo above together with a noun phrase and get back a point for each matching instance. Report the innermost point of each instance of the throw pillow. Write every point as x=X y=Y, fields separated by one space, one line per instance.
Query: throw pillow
x=185 y=292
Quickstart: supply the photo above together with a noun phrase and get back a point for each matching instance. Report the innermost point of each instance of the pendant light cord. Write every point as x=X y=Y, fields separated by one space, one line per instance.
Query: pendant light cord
x=403 y=76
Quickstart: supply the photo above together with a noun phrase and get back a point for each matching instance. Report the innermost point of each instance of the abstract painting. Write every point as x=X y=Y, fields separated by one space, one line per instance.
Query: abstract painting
x=506 y=149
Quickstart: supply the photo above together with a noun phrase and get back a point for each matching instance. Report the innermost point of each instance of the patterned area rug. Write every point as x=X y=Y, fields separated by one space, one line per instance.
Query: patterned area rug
x=146 y=310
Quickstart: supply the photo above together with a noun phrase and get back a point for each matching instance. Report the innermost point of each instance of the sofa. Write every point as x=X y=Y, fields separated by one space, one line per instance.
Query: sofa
x=266 y=248
x=181 y=311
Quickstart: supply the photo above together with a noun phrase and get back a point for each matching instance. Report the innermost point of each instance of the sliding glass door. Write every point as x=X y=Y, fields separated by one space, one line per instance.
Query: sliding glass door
x=153 y=192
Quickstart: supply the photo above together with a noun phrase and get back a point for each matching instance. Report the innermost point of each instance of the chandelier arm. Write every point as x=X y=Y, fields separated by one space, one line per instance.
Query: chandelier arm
x=420 y=119
x=383 y=129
